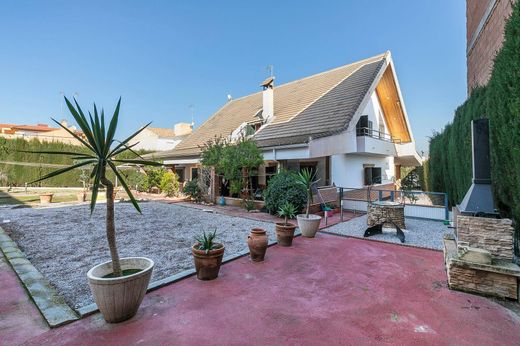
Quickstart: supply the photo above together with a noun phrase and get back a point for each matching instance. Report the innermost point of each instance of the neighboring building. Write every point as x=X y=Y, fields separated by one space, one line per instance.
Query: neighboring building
x=159 y=139
x=42 y=132
x=485 y=21
x=349 y=123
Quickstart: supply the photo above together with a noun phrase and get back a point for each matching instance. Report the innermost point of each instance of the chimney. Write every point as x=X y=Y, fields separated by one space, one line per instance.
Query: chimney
x=267 y=99
x=479 y=198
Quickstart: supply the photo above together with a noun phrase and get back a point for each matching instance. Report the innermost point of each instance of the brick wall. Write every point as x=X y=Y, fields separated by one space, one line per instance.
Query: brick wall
x=482 y=51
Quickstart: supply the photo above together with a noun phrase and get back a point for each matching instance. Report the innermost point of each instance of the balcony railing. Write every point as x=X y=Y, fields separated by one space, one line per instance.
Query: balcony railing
x=368 y=132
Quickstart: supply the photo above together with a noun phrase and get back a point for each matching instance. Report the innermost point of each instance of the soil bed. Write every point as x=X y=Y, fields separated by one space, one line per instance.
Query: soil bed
x=64 y=243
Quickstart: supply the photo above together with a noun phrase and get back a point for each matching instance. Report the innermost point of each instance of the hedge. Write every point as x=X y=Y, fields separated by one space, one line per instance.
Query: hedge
x=449 y=167
x=12 y=150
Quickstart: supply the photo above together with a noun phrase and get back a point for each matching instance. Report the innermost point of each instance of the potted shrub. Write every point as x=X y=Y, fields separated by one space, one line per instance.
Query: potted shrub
x=46 y=198
x=119 y=285
x=308 y=223
x=285 y=230
x=207 y=255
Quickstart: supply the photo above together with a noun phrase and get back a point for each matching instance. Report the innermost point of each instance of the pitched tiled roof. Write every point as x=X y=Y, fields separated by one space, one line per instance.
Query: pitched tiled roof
x=35 y=128
x=162 y=132
x=312 y=106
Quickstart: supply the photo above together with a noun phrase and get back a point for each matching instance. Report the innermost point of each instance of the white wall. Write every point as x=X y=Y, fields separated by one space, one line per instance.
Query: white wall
x=166 y=143
x=347 y=169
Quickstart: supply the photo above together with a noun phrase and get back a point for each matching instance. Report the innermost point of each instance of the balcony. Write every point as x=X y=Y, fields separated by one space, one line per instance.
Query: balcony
x=375 y=142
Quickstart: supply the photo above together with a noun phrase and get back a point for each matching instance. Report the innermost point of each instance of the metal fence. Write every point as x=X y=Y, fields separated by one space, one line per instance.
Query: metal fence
x=419 y=204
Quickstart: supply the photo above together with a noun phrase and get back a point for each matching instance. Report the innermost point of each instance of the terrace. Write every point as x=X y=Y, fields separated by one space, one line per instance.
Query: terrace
x=349 y=290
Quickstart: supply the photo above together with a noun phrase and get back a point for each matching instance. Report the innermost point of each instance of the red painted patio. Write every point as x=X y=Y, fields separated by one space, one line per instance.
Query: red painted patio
x=323 y=291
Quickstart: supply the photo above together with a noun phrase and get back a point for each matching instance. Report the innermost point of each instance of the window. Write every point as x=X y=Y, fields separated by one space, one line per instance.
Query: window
x=194 y=173
x=364 y=126
x=372 y=175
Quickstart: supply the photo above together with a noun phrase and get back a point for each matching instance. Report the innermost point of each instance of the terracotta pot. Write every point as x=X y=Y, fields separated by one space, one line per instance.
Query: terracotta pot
x=82 y=196
x=257 y=242
x=285 y=233
x=119 y=298
x=308 y=226
x=207 y=265
x=46 y=198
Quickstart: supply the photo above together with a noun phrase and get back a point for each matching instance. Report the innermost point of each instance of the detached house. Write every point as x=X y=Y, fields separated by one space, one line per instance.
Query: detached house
x=349 y=123
x=158 y=139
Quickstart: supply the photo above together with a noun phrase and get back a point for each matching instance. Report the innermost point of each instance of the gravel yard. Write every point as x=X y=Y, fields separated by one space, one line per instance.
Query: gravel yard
x=64 y=243
x=418 y=232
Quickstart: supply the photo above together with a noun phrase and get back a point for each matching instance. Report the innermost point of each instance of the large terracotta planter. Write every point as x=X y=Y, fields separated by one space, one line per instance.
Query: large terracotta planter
x=257 y=242
x=285 y=233
x=82 y=196
x=119 y=298
x=207 y=265
x=308 y=226
x=46 y=198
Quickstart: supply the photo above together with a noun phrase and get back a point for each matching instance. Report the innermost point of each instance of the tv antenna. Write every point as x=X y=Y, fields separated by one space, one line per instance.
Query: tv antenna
x=192 y=111
x=270 y=70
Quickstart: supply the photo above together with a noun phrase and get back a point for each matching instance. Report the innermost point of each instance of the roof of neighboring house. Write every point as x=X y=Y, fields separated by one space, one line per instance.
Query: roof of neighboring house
x=162 y=132
x=35 y=128
x=314 y=106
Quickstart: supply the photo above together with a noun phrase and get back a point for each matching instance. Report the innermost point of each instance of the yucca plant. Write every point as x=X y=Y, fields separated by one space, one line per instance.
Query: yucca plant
x=287 y=211
x=307 y=178
x=103 y=151
x=206 y=242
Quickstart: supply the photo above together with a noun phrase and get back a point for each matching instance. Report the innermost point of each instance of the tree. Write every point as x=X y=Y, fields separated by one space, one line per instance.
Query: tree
x=232 y=161
x=101 y=153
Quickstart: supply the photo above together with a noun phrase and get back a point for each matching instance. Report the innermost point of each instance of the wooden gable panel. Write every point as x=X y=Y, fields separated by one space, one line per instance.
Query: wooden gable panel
x=391 y=105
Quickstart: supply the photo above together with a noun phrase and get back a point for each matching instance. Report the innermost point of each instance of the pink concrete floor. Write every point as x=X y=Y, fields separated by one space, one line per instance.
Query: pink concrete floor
x=324 y=291
x=19 y=317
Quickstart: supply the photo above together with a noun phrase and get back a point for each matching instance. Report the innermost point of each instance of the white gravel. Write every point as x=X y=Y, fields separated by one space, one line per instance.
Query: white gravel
x=418 y=232
x=64 y=243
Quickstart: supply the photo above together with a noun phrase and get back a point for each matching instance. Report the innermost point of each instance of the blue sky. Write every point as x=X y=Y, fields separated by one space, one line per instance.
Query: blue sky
x=163 y=56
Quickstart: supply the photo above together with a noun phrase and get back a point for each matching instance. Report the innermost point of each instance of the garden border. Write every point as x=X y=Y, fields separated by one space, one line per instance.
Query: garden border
x=50 y=304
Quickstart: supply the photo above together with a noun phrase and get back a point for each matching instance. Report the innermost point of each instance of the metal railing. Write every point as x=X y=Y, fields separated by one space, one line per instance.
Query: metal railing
x=420 y=204
x=368 y=132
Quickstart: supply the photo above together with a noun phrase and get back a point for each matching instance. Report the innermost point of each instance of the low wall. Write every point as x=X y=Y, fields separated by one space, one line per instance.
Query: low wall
x=239 y=202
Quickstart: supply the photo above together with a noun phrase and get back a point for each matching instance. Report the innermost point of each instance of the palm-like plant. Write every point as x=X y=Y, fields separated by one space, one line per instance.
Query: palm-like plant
x=102 y=154
x=287 y=211
x=307 y=178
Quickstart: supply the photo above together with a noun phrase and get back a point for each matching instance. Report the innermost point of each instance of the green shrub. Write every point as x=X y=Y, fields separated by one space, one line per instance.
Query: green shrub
x=154 y=177
x=137 y=180
x=170 y=184
x=192 y=190
x=283 y=188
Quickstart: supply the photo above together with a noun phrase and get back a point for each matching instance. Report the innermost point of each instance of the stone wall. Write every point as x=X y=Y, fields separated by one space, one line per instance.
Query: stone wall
x=377 y=213
x=473 y=280
x=494 y=235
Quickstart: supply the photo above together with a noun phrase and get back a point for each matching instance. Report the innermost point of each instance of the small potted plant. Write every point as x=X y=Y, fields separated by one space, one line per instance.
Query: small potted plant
x=308 y=223
x=207 y=255
x=285 y=230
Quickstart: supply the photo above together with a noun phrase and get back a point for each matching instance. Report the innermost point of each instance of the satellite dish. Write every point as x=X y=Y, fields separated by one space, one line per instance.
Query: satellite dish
x=229 y=97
